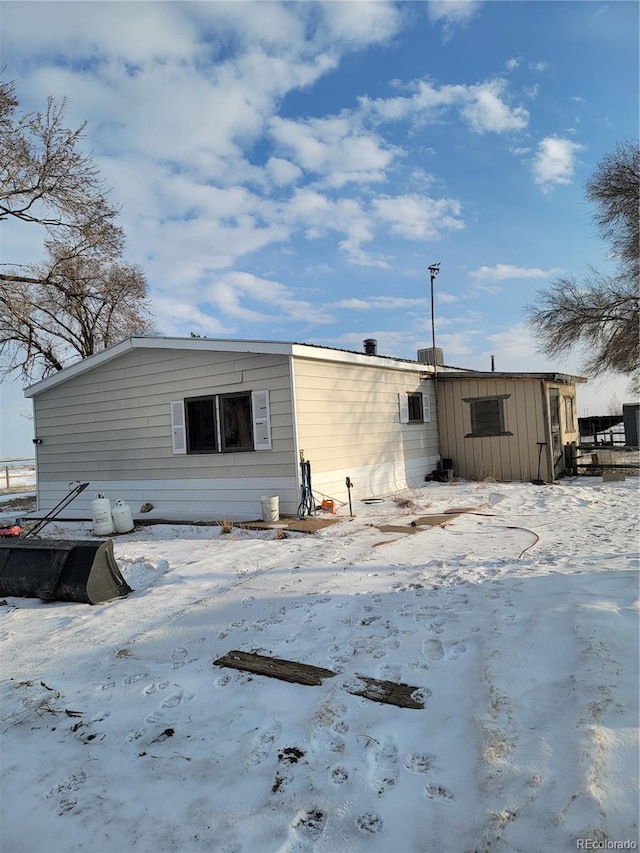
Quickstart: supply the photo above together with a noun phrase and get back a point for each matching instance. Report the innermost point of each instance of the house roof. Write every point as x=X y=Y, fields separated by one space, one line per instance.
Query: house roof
x=457 y=373
x=285 y=348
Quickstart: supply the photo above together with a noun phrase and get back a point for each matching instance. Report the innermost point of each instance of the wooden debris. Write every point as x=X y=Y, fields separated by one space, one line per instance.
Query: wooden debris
x=285 y=670
x=435 y=520
x=396 y=528
x=385 y=692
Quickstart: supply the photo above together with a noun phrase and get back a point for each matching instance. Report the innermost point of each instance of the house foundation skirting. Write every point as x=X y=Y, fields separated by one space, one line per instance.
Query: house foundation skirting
x=371 y=481
x=206 y=499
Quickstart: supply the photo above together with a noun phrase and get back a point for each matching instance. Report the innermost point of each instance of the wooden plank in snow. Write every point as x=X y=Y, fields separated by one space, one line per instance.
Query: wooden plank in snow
x=385 y=692
x=285 y=670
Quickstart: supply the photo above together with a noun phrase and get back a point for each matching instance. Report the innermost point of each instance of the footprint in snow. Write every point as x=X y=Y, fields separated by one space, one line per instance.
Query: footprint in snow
x=339 y=775
x=263 y=743
x=310 y=823
x=369 y=823
x=432 y=649
x=419 y=762
x=438 y=793
x=384 y=774
x=178 y=658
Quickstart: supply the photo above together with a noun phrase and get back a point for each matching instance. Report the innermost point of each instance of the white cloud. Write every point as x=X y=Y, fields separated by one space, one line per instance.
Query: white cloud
x=504 y=272
x=377 y=303
x=419 y=217
x=554 y=163
x=333 y=148
x=361 y=23
x=539 y=66
x=174 y=313
x=483 y=105
x=231 y=294
x=452 y=13
x=513 y=63
x=282 y=172
x=486 y=110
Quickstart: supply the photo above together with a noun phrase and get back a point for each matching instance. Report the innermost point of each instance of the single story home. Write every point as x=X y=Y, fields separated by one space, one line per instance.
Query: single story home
x=203 y=429
x=507 y=426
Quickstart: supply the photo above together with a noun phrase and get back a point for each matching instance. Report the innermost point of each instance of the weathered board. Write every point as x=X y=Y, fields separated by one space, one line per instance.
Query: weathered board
x=385 y=692
x=285 y=670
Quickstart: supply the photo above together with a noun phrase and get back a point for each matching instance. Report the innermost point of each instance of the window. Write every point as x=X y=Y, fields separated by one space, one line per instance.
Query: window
x=221 y=423
x=487 y=416
x=235 y=422
x=201 y=425
x=414 y=408
x=569 y=416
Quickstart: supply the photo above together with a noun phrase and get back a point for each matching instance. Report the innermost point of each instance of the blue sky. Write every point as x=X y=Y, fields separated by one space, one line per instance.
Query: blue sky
x=289 y=171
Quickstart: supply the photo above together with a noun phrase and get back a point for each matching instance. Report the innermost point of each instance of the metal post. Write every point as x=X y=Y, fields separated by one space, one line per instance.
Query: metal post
x=434 y=269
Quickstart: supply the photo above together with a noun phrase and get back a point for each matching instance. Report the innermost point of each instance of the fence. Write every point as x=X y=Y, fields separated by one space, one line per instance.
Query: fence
x=587 y=459
x=15 y=473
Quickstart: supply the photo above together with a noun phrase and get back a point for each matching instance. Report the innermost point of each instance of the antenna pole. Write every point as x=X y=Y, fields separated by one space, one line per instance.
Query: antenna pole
x=434 y=269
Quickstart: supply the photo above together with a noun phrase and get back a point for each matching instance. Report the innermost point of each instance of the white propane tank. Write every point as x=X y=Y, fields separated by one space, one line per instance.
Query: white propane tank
x=122 y=517
x=102 y=518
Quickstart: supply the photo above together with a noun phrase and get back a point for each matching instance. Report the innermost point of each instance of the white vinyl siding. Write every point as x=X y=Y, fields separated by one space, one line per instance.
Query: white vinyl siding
x=353 y=421
x=116 y=424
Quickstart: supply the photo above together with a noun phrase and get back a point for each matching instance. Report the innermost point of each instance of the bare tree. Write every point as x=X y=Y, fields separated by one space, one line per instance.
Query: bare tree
x=86 y=306
x=82 y=297
x=601 y=313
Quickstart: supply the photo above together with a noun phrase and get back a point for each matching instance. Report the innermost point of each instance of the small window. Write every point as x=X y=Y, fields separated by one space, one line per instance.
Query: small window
x=487 y=416
x=235 y=422
x=414 y=402
x=569 y=416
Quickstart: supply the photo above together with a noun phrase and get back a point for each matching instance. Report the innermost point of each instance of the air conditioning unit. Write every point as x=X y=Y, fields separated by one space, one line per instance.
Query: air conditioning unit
x=425 y=356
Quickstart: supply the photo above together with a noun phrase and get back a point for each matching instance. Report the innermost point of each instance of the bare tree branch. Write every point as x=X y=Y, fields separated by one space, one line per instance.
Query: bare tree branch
x=83 y=297
x=601 y=314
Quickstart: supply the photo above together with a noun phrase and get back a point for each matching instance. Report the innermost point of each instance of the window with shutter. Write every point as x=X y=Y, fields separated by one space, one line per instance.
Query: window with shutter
x=222 y=423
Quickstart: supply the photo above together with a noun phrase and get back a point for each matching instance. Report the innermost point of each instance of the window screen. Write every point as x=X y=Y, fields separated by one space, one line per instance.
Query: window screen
x=235 y=422
x=201 y=425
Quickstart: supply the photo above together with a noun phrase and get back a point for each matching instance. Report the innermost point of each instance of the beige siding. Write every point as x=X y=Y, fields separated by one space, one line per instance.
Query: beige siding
x=527 y=417
x=112 y=424
x=349 y=425
x=505 y=457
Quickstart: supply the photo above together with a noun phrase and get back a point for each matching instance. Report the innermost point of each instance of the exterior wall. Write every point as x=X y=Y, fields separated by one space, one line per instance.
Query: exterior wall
x=527 y=417
x=111 y=426
x=567 y=432
x=503 y=457
x=349 y=425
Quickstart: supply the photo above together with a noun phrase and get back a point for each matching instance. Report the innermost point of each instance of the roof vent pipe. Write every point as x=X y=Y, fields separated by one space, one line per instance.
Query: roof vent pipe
x=493 y=363
x=371 y=346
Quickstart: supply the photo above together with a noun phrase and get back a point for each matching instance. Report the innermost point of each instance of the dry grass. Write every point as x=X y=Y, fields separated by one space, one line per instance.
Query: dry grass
x=226 y=526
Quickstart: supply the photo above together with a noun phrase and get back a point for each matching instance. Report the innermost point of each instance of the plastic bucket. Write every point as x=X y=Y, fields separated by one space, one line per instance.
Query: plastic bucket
x=270 y=508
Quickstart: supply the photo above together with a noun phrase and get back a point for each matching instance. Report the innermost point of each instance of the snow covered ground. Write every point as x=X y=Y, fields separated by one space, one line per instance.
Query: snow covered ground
x=516 y=623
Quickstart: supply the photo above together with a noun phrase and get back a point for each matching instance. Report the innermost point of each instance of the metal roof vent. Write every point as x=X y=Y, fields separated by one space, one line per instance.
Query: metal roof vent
x=425 y=356
x=370 y=346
